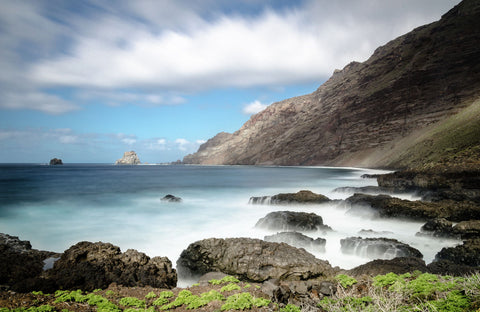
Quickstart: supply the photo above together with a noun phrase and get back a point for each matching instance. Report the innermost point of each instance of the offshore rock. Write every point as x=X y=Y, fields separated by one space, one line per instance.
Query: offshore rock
x=90 y=266
x=298 y=240
x=292 y=221
x=386 y=207
x=21 y=266
x=367 y=113
x=171 y=198
x=438 y=227
x=129 y=158
x=251 y=260
x=55 y=161
x=378 y=248
x=301 y=197
x=397 y=265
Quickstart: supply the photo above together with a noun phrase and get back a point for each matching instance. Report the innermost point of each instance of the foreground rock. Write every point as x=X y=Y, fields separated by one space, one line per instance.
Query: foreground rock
x=301 y=197
x=20 y=265
x=399 y=265
x=251 y=259
x=90 y=266
x=387 y=206
x=298 y=240
x=129 y=158
x=292 y=221
x=55 y=161
x=378 y=248
x=466 y=254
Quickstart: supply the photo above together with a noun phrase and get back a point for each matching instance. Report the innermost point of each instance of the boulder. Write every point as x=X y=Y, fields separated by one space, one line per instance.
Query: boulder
x=55 y=161
x=466 y=254
x=298 y=240
x=396 y=265
x=301 y=197
x=292 y=221
x=386 y=207
x=251 y=260
x=467 y=229
x=90 y=266
x=446 y=267
x=21 y=267
x=438 y=227
x=378 y=248
x=171 y=198
x=129 y=158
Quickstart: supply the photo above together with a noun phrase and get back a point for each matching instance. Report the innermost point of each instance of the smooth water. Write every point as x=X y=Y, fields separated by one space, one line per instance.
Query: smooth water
x=55 y=207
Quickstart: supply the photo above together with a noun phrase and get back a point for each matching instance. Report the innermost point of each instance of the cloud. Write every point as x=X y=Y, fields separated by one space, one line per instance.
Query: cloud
x=254 y=107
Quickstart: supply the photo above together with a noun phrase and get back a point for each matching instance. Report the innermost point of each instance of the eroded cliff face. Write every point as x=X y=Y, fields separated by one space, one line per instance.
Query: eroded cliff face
x=410 y=83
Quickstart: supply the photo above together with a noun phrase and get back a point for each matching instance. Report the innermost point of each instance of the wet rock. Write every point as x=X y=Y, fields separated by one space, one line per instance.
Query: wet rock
x=55 y=161
x=386 y=207
x=251 y=259
x=396 y=265
x=292 y=221
x=467 y=229
x=372 y=232
x=438 y=227
x=466 y=254
x=446 y=267
x=171 y=198
x=90 y=266
x=378 y=248
x=298 y=240
x=21 y=267
x=301 y=197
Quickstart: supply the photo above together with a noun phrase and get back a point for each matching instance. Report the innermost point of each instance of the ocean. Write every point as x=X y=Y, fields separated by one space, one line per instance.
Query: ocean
x=55 y=207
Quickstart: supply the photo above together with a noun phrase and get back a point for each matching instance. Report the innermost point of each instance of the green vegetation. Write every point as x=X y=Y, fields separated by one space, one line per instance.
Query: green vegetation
x=230 y=287
x=290 y=308
x=345 y=280
x=244 y=301
x=132 y=302
x=226 y=279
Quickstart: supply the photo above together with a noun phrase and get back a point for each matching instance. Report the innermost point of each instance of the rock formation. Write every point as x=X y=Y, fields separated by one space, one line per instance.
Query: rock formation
x=378 y=248
x=129 y=158
x=171 y=198
x=292 y=221
x=55 y=161
x=298 y=240
x=368 y=113
x=399 y=265
x=301 y=197
x=251 y=259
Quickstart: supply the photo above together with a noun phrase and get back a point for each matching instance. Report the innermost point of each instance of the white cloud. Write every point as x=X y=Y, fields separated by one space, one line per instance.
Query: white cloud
x=182 y=144
x=254 y=107
x=200 y=142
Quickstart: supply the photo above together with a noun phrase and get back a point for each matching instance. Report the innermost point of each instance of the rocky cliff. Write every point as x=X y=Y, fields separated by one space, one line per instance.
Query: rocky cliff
x=367 y=109
x=129 y=158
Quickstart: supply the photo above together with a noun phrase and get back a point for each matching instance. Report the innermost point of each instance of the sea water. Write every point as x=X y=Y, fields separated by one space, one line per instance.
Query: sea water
x=55 y=207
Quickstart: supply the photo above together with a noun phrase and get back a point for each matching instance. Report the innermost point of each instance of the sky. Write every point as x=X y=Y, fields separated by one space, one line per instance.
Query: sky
x=85 y=81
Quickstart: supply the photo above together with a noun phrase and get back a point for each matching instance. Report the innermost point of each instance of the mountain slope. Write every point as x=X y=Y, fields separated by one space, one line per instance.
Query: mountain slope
x=412 y=82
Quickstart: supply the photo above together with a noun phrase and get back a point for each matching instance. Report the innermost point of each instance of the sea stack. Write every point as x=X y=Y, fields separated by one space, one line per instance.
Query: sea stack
x=129 y=158
x=55 y=161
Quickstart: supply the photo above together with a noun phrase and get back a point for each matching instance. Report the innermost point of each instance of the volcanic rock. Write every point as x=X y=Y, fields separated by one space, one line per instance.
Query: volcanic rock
x=378 y=248
x=298 y=240
x=301 y=197
x=251 y=259
x=438 y=227
x=466 y=254
x=55 y=161
x=292 y=221
x=171 y=198
x=90 y=266
x=129 y=158
x=399 y=265
x=368 y=113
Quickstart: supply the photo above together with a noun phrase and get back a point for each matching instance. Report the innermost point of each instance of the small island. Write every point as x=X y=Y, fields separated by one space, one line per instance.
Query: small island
x=55 y=161
x=129 y=158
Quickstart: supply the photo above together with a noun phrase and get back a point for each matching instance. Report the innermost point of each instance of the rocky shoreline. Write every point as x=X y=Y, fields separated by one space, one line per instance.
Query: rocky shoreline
x=280 y=262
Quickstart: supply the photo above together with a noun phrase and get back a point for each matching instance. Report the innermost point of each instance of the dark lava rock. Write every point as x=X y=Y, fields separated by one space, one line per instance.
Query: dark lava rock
x=251 y=259
x=90 y=266
x=396 y=265
x=466 y=254
x=445 y=267
x=21 y=266
x=298 y=240
x=171 y=198
x=387 y=207
x=467 y=229
x=372 y=232
x=55 y=161
x=378 y=248
x=301 y=197
x=292 y=221
x=438 y=227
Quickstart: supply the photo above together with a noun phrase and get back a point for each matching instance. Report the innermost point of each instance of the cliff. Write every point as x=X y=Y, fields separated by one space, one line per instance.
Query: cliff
x=129 y=158
x=367 y=110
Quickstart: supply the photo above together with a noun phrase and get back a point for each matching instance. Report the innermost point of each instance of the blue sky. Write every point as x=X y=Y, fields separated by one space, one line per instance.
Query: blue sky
x=86 y=81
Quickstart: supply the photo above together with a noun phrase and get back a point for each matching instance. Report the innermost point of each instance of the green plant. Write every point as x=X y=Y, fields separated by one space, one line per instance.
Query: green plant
x=244 y=301
x=38 y=293
x=230 y=287
x=345 y=280
x=247 y=286
x=290 y=308
x=109 y=293
x=150 y=295
x=73 y=296
x=166 y=294
x=226 y=279
x=132 y=302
